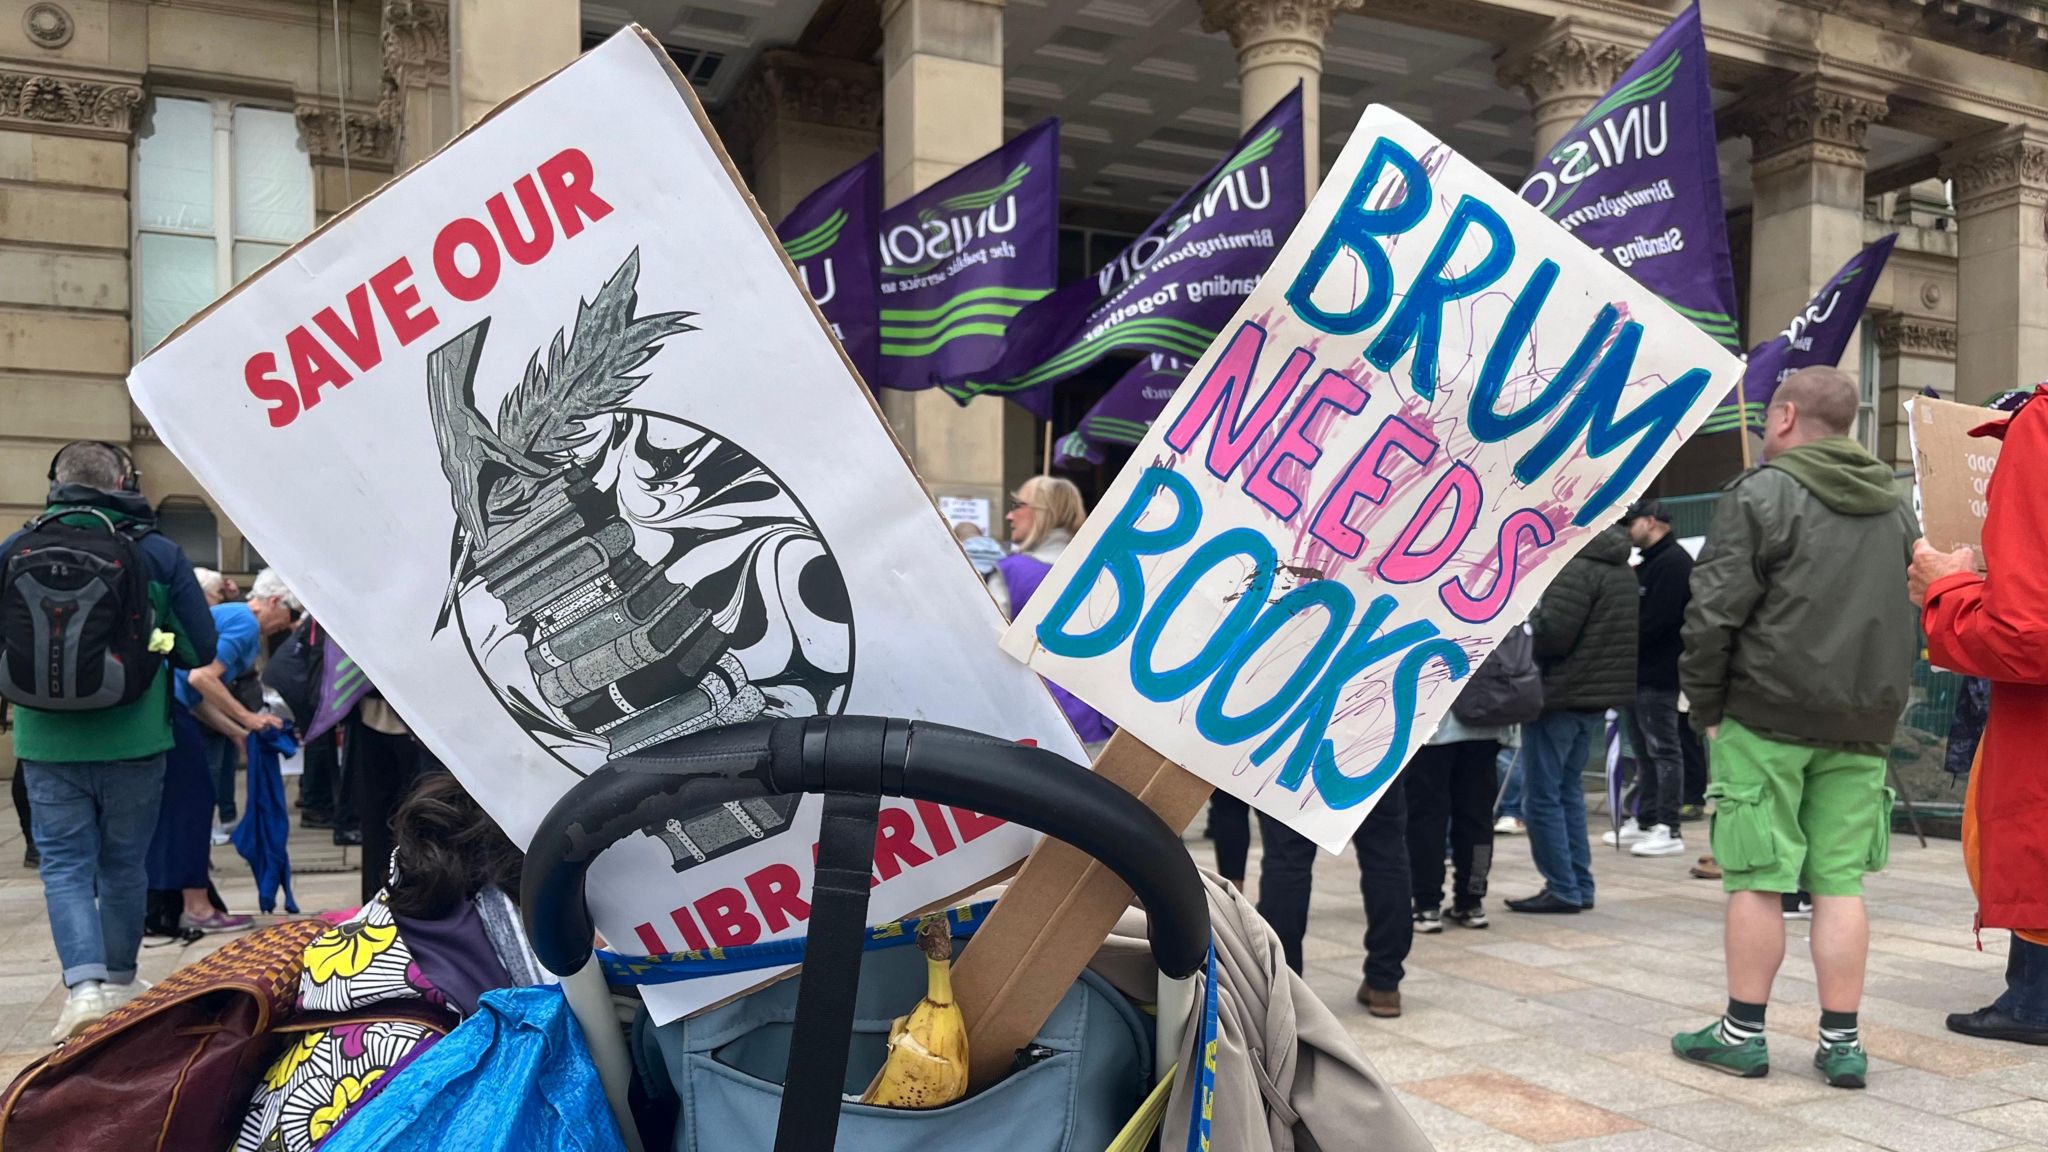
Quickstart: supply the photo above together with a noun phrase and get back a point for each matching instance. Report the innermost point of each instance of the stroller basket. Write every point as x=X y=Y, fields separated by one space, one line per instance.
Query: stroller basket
x=852 y=762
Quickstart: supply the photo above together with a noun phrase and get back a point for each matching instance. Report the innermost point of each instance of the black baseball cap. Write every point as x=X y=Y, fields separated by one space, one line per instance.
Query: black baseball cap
x=1654 y=509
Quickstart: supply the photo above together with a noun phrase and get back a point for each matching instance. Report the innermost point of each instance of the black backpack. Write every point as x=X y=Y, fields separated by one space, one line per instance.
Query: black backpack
x=75 y=615
x=295 y=671
x=1507 y=688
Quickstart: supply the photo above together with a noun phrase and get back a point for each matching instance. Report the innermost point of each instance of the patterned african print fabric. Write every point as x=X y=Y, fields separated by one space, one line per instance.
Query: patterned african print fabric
x=330 y=1068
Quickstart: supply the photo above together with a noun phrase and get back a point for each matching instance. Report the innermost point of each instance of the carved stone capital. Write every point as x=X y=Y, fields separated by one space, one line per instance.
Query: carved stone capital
x=1807 y=120
x=2008 y=167
x=1566 y=64
x=1251 y=23
x=336 y=135
x=69 y=105
x=1901 y=335
x=786 y=86
x=415 y=37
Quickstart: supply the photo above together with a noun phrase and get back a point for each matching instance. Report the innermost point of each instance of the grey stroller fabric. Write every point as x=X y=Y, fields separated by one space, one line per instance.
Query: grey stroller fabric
x=1288 y=1077
x=1083 y=1076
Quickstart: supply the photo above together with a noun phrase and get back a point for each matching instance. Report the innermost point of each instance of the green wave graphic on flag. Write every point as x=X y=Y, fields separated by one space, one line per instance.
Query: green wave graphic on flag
x=1635 y=91
x=1162 y=335
x=1115 y=430
x=974 y=201
x=1251 y=154
x=817 y=240
x=977 y=312
x=1719 y=325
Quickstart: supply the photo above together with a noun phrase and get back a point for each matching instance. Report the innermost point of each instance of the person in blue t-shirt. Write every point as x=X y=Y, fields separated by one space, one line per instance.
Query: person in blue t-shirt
x=210 y=723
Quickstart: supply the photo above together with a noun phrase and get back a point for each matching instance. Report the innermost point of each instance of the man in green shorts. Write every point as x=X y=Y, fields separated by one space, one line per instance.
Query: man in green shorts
x=1799 y=647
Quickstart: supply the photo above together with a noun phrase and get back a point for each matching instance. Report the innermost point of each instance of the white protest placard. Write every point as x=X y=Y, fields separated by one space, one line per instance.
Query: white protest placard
x=550 y=438
x=965 y=510
x=1432 y=400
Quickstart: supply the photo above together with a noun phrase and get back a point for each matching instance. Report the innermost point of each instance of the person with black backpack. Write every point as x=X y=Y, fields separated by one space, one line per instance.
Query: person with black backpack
x=96 y=608
x=1451 y=783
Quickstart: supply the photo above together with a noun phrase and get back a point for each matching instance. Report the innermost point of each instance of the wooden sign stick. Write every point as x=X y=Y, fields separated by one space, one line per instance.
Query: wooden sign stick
x=1055 y=915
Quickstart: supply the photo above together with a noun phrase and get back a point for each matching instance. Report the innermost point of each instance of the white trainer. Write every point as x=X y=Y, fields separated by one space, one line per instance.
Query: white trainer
x=1509 y=826
x=80 y=1012
x=1660 y=840
x=1629 y=833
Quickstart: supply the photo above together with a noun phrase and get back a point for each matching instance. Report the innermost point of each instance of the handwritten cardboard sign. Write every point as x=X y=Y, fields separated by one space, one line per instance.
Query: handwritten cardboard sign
x=1951 y=471
x=1428 y=404
x=519 y=430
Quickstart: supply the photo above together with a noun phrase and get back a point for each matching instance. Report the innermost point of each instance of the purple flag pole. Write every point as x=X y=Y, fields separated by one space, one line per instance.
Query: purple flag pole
x=832 y=239
x=1638 y=181
x=1173 y=288
x=1819 y=334
x=962 y=258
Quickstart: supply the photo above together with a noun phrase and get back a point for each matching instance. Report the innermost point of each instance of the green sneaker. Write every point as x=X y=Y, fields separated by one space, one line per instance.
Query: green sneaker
x=1748 y=1059
x=1843 y=1065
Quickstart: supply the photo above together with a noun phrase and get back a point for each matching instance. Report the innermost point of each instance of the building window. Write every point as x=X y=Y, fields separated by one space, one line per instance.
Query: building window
x=252 y=560
x=190 y=525
x=221 y=187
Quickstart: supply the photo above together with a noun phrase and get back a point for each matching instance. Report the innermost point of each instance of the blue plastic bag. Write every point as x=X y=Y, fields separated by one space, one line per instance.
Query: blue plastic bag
x=515 y=1077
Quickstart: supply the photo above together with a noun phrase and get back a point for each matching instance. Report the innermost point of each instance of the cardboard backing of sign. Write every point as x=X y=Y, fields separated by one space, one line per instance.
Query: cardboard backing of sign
x=517 y=429
x=1951 y=471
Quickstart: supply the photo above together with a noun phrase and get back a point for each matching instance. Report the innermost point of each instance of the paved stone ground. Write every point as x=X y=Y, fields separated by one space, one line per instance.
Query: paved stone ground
x=1540 y=1032
x=1554 y=1031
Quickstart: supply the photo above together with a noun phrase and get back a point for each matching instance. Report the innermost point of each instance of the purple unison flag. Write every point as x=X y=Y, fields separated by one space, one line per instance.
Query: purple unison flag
x=831 y=238
x=964 y=256
x=1126 y=411
x=1172 y=289
x=342 y=684
x=1819 y=334
x=1638 y=181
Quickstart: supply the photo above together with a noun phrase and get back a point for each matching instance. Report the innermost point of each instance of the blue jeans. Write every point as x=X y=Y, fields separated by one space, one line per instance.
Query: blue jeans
x=1508 y=763
x=1554 y=751
x=2026 y=984
x=93 y=823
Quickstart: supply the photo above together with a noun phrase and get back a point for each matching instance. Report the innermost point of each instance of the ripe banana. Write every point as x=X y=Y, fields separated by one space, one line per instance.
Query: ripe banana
x=927 y=1064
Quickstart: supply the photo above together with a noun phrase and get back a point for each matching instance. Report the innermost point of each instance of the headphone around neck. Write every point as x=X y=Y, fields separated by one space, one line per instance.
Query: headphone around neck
x=131 y=476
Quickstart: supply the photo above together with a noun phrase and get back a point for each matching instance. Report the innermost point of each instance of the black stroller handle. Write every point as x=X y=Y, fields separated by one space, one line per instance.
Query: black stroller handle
x=864 y=756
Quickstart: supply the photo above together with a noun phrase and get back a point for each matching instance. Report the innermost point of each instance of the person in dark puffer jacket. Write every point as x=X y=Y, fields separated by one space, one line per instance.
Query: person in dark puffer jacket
x=1585 y=632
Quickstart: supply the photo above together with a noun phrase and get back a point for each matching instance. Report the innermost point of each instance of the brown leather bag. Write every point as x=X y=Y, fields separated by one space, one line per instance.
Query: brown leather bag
x=173 y=1069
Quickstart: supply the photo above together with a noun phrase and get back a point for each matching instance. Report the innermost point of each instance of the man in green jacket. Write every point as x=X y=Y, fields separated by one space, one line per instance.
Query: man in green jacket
x=1799 y=647
x=96 y=778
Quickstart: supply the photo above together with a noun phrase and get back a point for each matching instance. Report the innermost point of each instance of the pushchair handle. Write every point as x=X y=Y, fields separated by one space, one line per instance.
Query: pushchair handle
x=865 y=756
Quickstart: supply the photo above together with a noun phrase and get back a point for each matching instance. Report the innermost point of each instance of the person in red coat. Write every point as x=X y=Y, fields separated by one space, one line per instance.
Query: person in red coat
x=1996 y=626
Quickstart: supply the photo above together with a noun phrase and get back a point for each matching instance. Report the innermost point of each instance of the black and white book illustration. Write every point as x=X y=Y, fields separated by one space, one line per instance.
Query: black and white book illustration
x=623 y=576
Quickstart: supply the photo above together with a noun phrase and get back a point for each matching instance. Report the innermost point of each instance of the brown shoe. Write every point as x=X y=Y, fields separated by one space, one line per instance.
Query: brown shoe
x=1384 y=1004
x=1706 y=869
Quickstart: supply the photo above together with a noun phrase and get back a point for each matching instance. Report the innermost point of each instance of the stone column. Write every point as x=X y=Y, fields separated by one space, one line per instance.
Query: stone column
x=1279 y=44
x=417 y=100
x=2001 y=190
x=501 y=46
x=353 y=151
x=1564 y=72
x=1807 y=171
x=942 y=106
x=798 y=120
x=65 y=131
x=1914 y=353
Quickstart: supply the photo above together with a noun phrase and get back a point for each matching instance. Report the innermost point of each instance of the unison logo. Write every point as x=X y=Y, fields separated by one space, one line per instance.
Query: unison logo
x=949 y=229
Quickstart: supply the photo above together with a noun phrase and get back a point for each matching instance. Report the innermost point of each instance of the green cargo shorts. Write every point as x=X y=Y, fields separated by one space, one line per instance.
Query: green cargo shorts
x=1789 y=817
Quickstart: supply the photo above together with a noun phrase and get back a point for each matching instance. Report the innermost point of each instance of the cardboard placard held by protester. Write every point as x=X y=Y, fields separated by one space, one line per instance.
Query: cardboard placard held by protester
x=1951 y=471
x=517 y=430
x=1432 y=399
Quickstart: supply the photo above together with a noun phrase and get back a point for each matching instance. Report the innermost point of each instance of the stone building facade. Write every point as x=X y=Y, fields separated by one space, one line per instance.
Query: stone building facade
x=153 y=151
